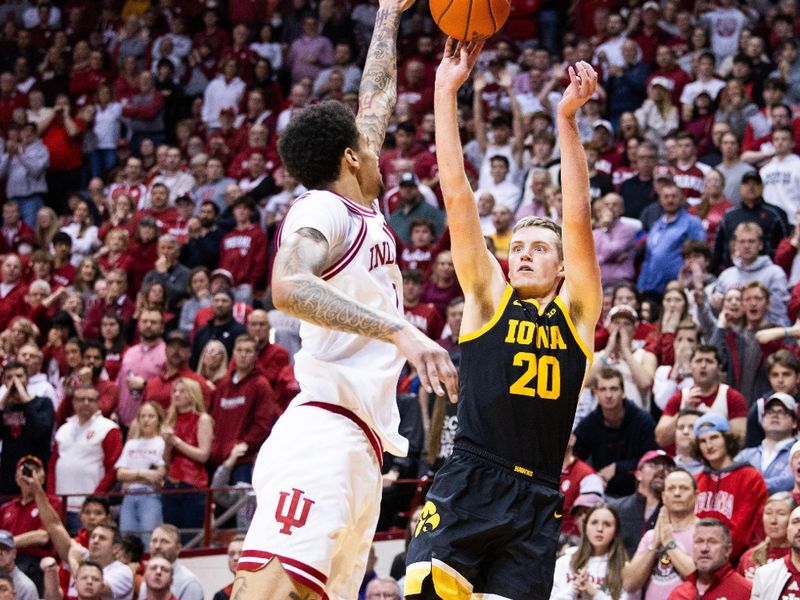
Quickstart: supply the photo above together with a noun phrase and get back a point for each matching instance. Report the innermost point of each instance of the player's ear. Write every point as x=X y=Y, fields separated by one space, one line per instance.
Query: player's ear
x=351 y=158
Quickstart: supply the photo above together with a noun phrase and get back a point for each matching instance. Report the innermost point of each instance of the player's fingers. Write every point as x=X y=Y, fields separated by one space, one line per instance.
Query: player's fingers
x=573 y=78
x=424 y=378
x=448 y=375
x=435 y=378
x=448 y=47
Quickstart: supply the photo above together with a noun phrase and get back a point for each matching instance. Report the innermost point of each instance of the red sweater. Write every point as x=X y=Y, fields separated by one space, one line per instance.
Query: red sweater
x=243 y=252
x=159 y=389
x=735 y=496
x=12 y=304
x=244 y=411
x=726 y=584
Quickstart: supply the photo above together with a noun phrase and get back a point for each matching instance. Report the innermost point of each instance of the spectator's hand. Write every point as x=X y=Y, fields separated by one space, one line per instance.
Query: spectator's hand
x=161 y=264
x=608 y=472
x=238 y=451
x=722 y=320
x=716 y=300
x=505 y=80
x=135 y=383
x=54 y=338
x=168 y=433
x=390 y=477
x=582 y=84
x=750 y=573
x=606 y=218
x=85 y=373
x=614 y=71
x=479 y=83
x=48 y=563
x=457 y=62
x=670 y=321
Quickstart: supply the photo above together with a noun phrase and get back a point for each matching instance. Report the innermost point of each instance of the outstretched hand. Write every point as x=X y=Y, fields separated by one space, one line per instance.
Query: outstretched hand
x=457 y=62
x=582 y=85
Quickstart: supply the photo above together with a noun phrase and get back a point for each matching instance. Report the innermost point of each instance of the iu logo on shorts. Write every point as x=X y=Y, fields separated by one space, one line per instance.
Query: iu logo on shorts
x=293 y=517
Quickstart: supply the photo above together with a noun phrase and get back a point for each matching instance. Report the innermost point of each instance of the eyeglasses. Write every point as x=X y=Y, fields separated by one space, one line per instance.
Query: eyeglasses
x=776 y=410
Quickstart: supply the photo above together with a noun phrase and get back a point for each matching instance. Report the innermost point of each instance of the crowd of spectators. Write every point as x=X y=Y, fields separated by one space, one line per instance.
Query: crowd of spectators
x=142 y=193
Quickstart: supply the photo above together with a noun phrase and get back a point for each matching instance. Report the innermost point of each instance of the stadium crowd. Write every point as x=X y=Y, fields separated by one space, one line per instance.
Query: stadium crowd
x=142 y=361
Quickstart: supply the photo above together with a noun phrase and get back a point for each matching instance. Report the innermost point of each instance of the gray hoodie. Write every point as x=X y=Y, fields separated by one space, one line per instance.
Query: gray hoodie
x=25 y=170
x=768 y=273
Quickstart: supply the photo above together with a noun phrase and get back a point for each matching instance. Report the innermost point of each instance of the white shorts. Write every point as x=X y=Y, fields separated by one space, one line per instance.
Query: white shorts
x=318 y=484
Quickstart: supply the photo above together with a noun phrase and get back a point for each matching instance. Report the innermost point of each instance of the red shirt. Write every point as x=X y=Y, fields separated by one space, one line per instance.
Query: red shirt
x=182 y=468
x=735 y=496
x=159 y=389
x=18 y=518
x=64 y=275
x=737 y=407
x=773 y=554
x=243 y=252
x=726 y=584
x=426 y=318
x=66 y=151
x=244 y=411
x=570 y=487
x=691 y=180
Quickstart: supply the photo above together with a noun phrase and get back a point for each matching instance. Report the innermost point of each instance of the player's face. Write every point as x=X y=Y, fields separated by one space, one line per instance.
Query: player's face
x=600 y=528
x=534 y=265
x=776 y=520
x=369 y=176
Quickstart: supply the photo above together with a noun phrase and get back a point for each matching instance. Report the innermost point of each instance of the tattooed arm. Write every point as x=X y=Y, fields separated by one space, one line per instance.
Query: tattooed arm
x=378 y=93
x=299 y=290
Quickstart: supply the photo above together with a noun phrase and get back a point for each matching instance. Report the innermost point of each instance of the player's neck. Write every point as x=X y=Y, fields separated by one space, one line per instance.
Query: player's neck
x=541 y=299
x=349 y=188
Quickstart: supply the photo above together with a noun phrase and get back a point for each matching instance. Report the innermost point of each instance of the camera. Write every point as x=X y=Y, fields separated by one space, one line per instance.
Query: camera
x=27 y=471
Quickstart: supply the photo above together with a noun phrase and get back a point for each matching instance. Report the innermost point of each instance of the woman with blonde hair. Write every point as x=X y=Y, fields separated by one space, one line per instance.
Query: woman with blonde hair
x=141 y=470
x=776 y=544
x=213 y=363
x=188 y=432
x=658 y=115
x=594 y=568
x=47 y=225
x=713 y=205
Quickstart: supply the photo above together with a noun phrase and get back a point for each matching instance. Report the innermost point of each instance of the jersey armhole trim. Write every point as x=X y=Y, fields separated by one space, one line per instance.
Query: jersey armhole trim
x=468 y=337
x=560 y=303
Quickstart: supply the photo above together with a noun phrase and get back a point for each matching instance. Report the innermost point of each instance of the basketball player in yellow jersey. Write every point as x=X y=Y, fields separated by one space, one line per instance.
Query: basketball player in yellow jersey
x=491 y=519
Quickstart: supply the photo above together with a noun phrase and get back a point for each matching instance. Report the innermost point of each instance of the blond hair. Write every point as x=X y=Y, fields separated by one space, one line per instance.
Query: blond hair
x=195 y=393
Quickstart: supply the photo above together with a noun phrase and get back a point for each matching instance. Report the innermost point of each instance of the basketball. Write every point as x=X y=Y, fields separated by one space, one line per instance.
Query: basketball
x=466 y=20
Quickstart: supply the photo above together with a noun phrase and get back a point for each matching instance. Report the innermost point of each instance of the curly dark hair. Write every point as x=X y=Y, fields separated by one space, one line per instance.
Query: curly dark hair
x=312 y=145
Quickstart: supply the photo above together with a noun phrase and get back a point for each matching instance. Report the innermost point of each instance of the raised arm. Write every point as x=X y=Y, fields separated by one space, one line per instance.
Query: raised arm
x=478 y=272
x=299 y=290
x=583 y=292
x=378 y=92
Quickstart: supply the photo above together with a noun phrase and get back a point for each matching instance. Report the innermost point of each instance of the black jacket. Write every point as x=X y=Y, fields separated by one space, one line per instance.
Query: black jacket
x=600 y=445
x=226 y=333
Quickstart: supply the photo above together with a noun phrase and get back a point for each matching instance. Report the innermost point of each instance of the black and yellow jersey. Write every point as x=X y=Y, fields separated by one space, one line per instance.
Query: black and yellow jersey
x=521 y=379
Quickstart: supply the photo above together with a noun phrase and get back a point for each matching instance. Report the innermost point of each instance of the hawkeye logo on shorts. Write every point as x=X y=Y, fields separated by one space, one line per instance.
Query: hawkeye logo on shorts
x=292 y=518
x=428 y=520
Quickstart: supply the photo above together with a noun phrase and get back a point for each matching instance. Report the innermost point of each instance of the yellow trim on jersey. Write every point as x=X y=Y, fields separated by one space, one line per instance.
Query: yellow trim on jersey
x=415 y=575
x=449 y=583
x=467 y=337
x=574 y=331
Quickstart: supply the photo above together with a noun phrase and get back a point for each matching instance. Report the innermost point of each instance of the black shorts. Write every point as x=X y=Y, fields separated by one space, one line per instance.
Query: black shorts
x=486 y=528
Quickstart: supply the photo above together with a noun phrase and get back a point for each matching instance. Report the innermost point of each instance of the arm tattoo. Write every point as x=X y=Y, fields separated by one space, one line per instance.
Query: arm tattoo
x=378 y=93
x=298 y=265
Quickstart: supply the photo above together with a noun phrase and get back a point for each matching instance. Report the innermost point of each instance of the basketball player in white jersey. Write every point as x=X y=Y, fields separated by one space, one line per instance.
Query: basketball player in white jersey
x=318 y=475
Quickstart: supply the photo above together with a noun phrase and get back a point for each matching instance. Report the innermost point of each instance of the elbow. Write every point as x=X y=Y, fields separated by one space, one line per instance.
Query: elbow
x=280 y=294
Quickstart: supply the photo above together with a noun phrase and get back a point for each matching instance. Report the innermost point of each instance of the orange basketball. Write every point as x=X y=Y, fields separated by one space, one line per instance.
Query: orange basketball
x=469 y=19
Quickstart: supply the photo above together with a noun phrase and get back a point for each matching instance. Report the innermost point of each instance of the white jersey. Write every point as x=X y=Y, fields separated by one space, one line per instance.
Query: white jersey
x=781 y=179
x=353 y=371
